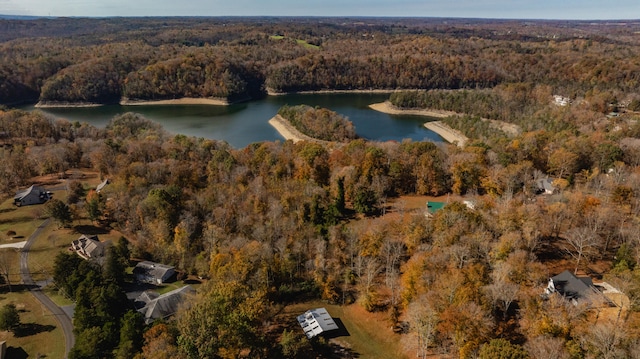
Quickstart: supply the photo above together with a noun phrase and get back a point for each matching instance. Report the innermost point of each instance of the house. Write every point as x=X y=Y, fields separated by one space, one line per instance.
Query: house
x=153 y=273
x=88 y=247
x=571 y=287
x=316 y=321
x=545 y=185
x=32 y=195
x=561 y=100
x=155 y=306
x=102 y=185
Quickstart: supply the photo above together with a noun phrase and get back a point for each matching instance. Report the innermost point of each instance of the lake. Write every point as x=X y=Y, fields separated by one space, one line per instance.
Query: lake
x=245 y=123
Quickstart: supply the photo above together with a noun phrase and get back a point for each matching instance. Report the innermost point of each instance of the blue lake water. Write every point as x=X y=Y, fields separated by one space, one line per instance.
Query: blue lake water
x=245 y=123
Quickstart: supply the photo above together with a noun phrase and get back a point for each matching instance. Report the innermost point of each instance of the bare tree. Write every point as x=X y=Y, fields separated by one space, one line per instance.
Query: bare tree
x=582 y=243
x=423 y=323
x=502 y=290
x=605 y=340
x=544 y=347
x=7 y=260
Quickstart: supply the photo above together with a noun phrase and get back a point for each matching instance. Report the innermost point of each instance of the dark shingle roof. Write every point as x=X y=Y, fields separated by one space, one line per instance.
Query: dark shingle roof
x=570 y=286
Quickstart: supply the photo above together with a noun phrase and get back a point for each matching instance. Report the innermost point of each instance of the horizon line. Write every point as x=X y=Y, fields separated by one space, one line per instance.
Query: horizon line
x=36 y=17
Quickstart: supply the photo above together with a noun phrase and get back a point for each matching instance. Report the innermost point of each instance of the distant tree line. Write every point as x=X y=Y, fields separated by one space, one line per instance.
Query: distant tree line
x=148 y=59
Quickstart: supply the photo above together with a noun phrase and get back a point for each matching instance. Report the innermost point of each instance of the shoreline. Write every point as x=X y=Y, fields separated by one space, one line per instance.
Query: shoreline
x=443 y=130
x=286 y=130
x=449 y=134
x=270 y=92
x=177 y=101
x=41 y=104
x=387 y=107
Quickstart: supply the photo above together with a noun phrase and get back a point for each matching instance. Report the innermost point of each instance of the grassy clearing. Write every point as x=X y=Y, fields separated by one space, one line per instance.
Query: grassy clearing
x=370 y=335
x=307 y=45
x=39 y=333
x=298 y=41
x=22 y=220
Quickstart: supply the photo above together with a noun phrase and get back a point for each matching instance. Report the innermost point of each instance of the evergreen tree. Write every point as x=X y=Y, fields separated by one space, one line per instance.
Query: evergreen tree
x=9 y=317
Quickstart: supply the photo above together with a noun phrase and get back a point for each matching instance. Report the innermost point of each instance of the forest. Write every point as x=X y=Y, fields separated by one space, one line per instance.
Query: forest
x=319 y=123
x=102 y=61
x=277 y=223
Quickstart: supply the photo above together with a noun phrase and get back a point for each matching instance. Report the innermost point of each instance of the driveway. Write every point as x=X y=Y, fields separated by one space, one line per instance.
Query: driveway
x=60 y=315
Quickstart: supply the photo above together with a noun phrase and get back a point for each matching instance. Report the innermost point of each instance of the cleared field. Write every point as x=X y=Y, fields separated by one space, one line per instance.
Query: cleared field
x=368 y=335
x=39 y=334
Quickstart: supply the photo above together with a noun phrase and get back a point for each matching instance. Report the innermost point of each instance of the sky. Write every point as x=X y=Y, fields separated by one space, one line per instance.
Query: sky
x=506 y=9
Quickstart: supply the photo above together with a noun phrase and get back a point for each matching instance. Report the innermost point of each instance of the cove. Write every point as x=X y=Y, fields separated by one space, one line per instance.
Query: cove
x=245 y=123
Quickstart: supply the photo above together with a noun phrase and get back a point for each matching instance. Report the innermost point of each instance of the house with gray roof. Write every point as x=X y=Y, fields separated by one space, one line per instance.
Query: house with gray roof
x=571 y=287
x=153 y=273
x=546 y=186
x=32 y=195
x=154 y=306
x=88 y=247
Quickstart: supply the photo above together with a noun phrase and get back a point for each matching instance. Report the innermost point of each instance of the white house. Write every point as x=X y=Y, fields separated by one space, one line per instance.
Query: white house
x=561 y=100
x=316 y=321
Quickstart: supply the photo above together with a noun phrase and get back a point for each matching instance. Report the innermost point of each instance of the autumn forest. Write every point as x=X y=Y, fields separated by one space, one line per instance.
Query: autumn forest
x=280 y=223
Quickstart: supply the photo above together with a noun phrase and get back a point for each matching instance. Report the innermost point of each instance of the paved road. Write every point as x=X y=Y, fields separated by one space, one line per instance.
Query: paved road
x=59 y=314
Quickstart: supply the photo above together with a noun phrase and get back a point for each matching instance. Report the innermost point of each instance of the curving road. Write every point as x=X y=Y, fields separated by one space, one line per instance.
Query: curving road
x=58 y=313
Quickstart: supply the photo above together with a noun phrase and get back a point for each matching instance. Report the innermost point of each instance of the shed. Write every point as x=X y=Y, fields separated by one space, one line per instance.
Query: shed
x=316 y=321
x=151 y=272
x=32 y=195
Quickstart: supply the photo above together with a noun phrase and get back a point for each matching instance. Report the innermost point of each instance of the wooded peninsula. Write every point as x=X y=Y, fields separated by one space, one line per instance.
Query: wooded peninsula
x=520 y=242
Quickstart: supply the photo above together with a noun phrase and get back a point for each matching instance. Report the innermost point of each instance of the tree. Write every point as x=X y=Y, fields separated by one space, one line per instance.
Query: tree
x=365 y=200
x=59 y=211
x=581 y=244
x=9 y=317
x=502 y=349
x=7 y=260
x=131 y=330
x=160 y=343
x=224 y=322
x=544 y=347
x=423 y=323
x=94 y=205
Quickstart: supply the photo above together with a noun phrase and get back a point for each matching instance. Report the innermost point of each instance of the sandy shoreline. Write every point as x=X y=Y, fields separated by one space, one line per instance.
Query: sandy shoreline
x=286 y=130
x=449 y=134
x=177 y=101
x=387 y=107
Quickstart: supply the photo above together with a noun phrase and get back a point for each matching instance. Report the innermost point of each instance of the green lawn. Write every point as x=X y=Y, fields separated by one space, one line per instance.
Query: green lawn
x=39 y=333
x=307 y=45
x=369 y=336
x=22 y=220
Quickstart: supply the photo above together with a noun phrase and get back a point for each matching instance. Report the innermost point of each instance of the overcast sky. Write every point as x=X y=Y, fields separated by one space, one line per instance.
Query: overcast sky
x=521 y=9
